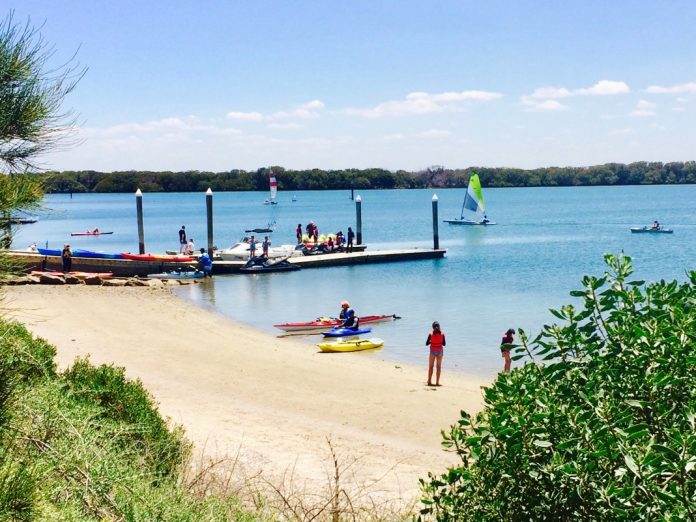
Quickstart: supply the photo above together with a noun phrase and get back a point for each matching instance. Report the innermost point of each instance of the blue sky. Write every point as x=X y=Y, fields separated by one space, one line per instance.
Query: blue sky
x=218 y=85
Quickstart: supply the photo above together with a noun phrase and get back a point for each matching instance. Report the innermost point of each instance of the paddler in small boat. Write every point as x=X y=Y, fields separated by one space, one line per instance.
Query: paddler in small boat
x=347 y=315
x=655 y=225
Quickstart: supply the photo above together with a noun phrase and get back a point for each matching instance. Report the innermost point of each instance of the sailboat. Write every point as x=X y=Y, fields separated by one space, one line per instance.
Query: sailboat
x=274 y=190
x=473 y=204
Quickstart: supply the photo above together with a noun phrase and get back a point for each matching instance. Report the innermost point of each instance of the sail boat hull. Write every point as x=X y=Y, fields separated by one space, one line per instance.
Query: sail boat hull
x=468 y=222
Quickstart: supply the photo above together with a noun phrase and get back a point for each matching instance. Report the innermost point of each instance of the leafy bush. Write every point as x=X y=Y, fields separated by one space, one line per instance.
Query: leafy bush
x=599 y=425
x=126 y=401
x=88 y=444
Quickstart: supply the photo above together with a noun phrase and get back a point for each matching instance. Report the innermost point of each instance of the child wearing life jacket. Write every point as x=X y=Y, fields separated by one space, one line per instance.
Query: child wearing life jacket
x=436 y=341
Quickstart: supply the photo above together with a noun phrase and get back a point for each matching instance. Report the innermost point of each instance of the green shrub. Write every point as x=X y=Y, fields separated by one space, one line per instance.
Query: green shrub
x=126 y=401
x=599 y=425
x=23 y=358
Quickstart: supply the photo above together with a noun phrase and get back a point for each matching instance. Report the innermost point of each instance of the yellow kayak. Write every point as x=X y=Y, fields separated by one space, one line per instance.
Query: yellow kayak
x=351 y=345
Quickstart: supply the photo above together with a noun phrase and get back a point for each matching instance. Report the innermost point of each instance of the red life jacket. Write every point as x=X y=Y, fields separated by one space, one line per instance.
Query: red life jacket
x=436 y=340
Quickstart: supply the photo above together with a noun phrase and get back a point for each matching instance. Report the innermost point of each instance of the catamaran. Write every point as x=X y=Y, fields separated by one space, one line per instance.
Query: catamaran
x=473 y=204
x=274 y=190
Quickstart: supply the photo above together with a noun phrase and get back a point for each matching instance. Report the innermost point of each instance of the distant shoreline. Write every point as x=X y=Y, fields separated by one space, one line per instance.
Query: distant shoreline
x=609 y=174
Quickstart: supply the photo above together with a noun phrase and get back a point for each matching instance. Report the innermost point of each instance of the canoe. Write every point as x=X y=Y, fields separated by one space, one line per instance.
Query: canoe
x=646 y=230
x=351 y=345
x=344 y=332
x=178 y=275
x=158 y=257
x=322 y=323
x=81 y=275
x=90 y=233
x=79 y=253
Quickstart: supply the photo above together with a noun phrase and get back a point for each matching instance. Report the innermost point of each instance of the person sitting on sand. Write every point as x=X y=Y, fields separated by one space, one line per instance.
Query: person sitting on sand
x=436 y=341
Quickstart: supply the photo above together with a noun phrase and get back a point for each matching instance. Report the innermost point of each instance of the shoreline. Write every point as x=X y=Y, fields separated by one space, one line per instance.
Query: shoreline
x=274 y=404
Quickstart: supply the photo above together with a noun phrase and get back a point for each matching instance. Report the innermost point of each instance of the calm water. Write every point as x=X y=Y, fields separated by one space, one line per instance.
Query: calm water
x=491 y=279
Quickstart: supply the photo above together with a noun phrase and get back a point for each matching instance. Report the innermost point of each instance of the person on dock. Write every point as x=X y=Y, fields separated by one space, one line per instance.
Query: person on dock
x=182 y=239
x=252 y=247
x=265 y=246
x=347 y=315
x=66 y=258
x=298 y=233
x=205 y=264
x=190 y=247
x=436 y=341
x=351 y=237
x=505 y=345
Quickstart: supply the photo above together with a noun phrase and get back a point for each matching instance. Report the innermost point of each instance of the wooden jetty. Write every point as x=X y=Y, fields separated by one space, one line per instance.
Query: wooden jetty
x=127 y=267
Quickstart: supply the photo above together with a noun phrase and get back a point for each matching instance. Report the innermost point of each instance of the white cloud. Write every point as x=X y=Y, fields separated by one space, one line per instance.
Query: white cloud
x=419 y=103
x=305 y=111
x=674 y=89
x=644 y=109
x=548 y=105
x=601 y=88
x=605 y=88
x=245 y=116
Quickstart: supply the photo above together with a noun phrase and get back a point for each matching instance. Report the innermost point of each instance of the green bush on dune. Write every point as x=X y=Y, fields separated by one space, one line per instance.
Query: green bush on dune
x=87 y=444
x=599 y=425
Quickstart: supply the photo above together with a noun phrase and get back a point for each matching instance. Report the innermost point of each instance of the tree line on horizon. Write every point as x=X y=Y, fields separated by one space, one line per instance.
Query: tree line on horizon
x=637 y=173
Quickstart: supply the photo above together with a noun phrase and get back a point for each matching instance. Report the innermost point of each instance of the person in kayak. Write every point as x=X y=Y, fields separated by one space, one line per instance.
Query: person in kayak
x=655 y=225
x=505 y=345
x=205 y=264
x=436 y=341
x=347 y=315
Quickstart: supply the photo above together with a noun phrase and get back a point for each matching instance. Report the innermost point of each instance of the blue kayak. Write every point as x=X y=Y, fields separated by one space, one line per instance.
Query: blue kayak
x=342 y=332
x=79 y=253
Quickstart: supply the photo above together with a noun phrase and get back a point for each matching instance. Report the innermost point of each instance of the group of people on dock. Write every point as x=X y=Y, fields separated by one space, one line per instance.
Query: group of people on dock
x=333 y=242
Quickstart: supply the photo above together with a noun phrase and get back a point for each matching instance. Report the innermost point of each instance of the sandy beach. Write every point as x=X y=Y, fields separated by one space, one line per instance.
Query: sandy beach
x=271 y=402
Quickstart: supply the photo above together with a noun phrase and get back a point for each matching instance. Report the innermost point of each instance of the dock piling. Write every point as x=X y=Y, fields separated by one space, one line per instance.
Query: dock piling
x=141 y=228
x=436 y=235
x=358 y=219
x=209 y=211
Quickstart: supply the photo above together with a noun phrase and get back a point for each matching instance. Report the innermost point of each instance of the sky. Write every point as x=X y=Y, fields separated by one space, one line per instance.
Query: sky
x=396 y=84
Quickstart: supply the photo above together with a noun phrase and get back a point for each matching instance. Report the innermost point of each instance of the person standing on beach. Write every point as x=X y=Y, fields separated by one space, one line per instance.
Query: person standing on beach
x=265 y=246
x=298 y=233
x=351 y=236
x=66 y=258
x=505 y=345
x=436 y=341
x=182 y=239
x=252 y=247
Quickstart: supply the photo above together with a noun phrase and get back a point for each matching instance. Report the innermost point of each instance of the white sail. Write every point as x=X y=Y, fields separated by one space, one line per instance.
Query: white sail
x=274 y=188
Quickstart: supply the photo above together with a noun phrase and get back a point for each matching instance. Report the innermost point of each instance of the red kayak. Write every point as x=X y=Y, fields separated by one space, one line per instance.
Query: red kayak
x=322 y=323
x=158 y=257
x=90 y=233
